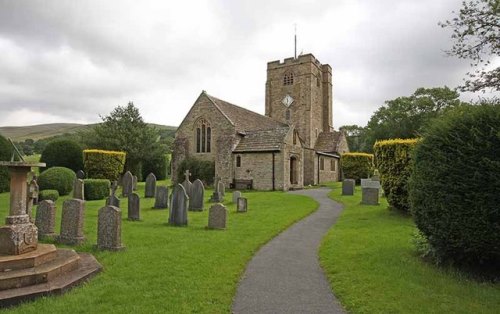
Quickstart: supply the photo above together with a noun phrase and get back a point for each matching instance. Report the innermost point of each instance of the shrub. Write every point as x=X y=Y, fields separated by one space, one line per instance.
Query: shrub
x=57 y=178
x=103 y=164
x=356 y=165
x=45 y=195
x=96 y=189
x=393 y=159
x=454 y=188
x=200 y=169
x=62 y=153
x=5 y=154
x=157 y=165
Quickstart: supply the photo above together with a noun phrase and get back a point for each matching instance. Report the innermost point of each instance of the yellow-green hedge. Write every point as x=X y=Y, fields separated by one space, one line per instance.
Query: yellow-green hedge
x=103 y=164
x=356 y=165
x=393 y=159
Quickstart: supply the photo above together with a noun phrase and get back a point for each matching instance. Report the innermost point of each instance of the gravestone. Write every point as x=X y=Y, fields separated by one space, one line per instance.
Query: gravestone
x=348 y=186
x=46 y=219
x=80 y=174
x=32 y=198
x=113 y=200
x=217 y=216
x=109 y=229
x=127 y=183
x=197 y=196
x=134 y=208
x=364 y=181
x=236 y=194
x=222 y=188
x=217 y=196
x=161 y=198
x=179 y=208
x=188 y=186
x=376 y=175
x=241 y=205
x=370 y=193
x=72 y=220
x=134 y=183
x=78 y=189
x=150 y=188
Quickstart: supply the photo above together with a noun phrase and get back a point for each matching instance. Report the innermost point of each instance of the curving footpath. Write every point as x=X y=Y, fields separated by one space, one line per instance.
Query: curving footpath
x=285 y=276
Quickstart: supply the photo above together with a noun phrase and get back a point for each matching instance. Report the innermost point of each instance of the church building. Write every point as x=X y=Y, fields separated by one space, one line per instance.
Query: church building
x=293 y=145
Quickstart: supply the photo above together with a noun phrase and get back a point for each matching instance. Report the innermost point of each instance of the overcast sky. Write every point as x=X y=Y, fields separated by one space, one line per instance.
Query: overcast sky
x=71 y=61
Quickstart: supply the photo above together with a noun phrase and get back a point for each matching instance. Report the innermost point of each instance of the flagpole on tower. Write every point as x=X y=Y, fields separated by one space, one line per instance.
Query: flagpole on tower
x=295 y=38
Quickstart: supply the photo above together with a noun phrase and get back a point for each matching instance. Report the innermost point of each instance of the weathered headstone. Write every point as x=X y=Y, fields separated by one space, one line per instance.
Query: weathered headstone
x=179 y=208
x=188 y=186
x=348 y=186
x=222 y=188
x=370 y=193
x=46 y=219
x=32 y=195
x=35 y=190
x=150 y=188
x=161 y=198
x=241 y=205
x=134 y=183
x=80 y=174
x=109 y=229
x=217 y=216
x=217 y=196
x=364 y=181
x=113 y=200
x=236 y=194
x=197 y=196
x=72 y=222
x=127 y=183
x=376 y=176
x=134 y=207
x=78 y=189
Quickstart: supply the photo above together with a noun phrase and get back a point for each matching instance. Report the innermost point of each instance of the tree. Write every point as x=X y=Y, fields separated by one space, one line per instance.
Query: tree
x=356 y=138
x=476 y=32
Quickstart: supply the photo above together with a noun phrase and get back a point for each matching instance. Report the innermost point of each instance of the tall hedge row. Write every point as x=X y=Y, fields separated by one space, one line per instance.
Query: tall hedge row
x=5 y=154
x=356 y=165
x=157 y=165
x=393 y=159
x=199 y=169
x=455 y=188
x=62 y=153
x=103 y=164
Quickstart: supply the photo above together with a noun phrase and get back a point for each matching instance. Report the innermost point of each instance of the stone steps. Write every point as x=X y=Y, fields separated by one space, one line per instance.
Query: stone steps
x=43 y=253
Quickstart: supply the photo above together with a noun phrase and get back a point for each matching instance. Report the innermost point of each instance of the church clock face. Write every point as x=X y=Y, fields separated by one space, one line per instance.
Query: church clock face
x=287 y=100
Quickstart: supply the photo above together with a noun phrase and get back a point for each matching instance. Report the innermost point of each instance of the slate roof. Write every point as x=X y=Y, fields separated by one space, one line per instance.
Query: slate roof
x=263 y=140
x=327 y=142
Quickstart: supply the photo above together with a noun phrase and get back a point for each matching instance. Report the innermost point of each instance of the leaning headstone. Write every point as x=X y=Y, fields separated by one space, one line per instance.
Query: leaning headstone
x=222 y=188
x=197 y=196
x=242 y=205
x=188 y=186
x=72 y=220
x=217 y=196
x=127 y=183
x=348 y=186
x=109 y=229
x=150 y=188
x=134 y=208
x=134 y=183
x=370 y=193
x=46 y=219
x=78 y=189
x=161 y=198
x=179 y=208
x=236 y=194
x=217 y=216
x=113 y=200
x=80 y=174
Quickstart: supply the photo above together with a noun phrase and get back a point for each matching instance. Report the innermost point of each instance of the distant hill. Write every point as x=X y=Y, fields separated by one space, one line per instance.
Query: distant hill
x=41 y=131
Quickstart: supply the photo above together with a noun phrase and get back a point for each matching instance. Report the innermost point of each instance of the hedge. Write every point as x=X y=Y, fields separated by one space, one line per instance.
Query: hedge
x=356 y=165
x=157 y=165
x=454 y=189
x=393 y=159
x=96 y=189
x=5 y=154
x=103 y=164
x=62 y=153
x=57 y=178
x=199 y=169
x=52 y=195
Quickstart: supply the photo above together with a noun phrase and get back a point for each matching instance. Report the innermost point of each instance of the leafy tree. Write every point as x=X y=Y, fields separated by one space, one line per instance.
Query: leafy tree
x=356 y=137
x=476 y=32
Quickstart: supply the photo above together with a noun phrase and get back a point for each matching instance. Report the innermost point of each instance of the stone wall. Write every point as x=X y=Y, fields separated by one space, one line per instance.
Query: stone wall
x=329 y=173
x=309 y=167
x=259 y=168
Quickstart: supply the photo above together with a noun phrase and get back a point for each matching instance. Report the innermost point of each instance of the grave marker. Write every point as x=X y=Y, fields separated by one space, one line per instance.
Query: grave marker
x=150 y=188
x=197 y=196
x=109 y=229
x=217 y=217
x=179 y=208
x=46 y=219
x=72 y=221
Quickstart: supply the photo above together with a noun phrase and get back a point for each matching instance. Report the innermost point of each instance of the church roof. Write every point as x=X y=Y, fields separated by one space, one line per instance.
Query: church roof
x=263 y=140
x=327 y=142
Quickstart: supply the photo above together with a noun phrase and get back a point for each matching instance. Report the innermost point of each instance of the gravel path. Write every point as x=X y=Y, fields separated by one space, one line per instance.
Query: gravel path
x=285 y=276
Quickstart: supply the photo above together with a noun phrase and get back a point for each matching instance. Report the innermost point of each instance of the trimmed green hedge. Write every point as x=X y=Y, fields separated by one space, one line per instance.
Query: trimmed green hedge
x=356 y=166
x=5 y=154
x=103 y=164
x=45 y=195
x=199 y=169
x=455 y=186
x=57 y=178
x=96 y=189
x=62 y=153
x=157 y=165
x=393 y=159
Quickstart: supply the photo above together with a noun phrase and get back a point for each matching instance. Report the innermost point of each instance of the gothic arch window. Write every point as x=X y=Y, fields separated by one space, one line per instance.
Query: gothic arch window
x=288 y=78
x=203 y=136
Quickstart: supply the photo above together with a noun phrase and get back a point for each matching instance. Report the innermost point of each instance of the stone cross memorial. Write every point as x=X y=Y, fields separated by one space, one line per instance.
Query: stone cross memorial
x=188 y=186
x=370 y=193
x=109 y=229
x=46 y=219
x=72 y=221
x=197 y=196
x=241 y=205
x=113 y=200
x=134 y=207
x=150 y=188
x=127 y=183
x=221 y=188
x=217 y=216
x=348 y=186
x=161 y=199
x=236 y=194
x=78 y=189
x=217 y=196
x=179 y=208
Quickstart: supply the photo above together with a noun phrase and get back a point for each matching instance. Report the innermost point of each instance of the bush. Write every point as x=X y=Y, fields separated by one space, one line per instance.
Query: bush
x=156 y=165
x=103 y=164
x=199 y=169
x=5 y=154
x=393 y=159
x=57 y=178
x=62 y=153
x=454 y=188
x=45 y=195
x=356 y=165
x=96 y=189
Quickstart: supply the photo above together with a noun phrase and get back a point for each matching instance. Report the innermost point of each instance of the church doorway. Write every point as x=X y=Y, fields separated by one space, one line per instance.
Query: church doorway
x=293 y=170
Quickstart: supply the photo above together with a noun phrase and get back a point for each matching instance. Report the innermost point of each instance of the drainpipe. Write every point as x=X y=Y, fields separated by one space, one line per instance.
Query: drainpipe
x=273 y=173
x=318 y=169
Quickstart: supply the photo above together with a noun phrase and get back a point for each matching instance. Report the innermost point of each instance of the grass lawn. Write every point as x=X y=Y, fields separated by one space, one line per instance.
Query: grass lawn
x=173 y=269
x=372 y=266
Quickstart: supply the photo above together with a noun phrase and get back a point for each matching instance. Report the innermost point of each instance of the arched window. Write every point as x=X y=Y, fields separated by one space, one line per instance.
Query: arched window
x=288 y=79
x=203 y=136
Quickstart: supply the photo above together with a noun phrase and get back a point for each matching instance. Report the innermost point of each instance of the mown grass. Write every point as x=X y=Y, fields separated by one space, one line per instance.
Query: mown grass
x=373 y=267
x=173 y=269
